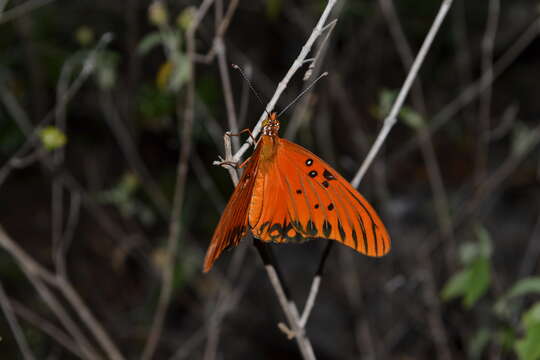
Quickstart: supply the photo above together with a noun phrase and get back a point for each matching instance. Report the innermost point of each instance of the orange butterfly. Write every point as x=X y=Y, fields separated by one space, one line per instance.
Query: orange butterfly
x=287 y=194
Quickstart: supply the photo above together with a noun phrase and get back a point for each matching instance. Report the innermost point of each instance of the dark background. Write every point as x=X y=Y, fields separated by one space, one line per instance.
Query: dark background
x=444 y=192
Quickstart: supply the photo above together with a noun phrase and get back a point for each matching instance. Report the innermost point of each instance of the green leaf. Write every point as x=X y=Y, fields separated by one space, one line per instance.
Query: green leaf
x=478 y=343
x=528 y=348
x=180 y=73
x=478 y=282
x=412 y=118
x=149 y=42
x=52 y=138
x=506 y=337
x=469 y=251
x=470 y=283
x=484 y=241
x=386 y=100
x=455 y=286
x=530 y=285
x=532 y=316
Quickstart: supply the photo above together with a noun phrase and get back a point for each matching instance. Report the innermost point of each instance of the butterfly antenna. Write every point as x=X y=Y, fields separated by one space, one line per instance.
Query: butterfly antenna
x=303 y=93
x=236 y=67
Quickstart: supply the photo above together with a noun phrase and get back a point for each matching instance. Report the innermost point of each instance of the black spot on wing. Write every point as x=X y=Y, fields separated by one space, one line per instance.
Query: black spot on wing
x=375 y=239
x=325 y=183
x=298 y=226
x=327 y=229
x=299 y=192
x=355 y=239
x=331 y=207
x=328 y=175
x=311 y=229
x=263 y=226
x=312 y=173
x=341 y=231
x=363 y=207
x=364 y=235
x=309 y=162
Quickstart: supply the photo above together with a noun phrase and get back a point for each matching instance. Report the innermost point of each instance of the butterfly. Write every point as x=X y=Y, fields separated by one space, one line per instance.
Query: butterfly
x=286 y=194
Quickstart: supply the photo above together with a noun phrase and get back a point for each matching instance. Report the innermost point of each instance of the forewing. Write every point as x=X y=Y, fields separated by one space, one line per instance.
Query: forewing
x=309 y=199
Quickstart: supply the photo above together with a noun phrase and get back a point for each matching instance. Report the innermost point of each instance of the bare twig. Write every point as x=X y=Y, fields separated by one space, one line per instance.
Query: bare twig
x=14 y=325
x=471 y=92
x=288 y=306
x=88 y=318
x=428 y=152
x=129 y=149
x=298 y=62
x=392 y=117
x=34 y=272
x=22 y=10
x=227 y=90
x=182 y=168
x=89 y=63
x=46 y=326
x=484 y=122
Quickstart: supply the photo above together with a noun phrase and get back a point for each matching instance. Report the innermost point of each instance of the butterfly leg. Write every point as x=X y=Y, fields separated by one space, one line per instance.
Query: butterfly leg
x=234 y=164
x=226 y=162
x=244 y=163
x=241 y=132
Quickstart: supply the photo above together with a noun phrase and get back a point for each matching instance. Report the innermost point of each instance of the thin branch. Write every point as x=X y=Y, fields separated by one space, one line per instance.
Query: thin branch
x=34 y=272
x=129 y=150
x=21 y=10
x=47 y=327
x=227 y=90
x=89 y=64
x=298 y=62
x=14 y=325
x=471 y=92
x=436 y=182
x=392 y=117
x=484 y=115
x=181 y=175
x=89 y=319
x=288 y=306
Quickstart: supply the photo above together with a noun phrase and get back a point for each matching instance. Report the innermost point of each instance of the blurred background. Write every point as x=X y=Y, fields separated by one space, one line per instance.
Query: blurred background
x=112 y=113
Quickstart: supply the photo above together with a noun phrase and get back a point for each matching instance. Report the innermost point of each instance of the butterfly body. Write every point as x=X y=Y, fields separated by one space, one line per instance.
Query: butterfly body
x=288 y=194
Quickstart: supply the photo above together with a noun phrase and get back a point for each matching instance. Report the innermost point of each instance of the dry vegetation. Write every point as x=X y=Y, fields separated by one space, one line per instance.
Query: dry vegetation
x=113 y=112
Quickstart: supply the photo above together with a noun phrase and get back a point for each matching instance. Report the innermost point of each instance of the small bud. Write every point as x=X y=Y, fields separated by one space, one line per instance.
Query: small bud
x=186 y=17
x=157 y=13
x=52 y=138
x=84 y=35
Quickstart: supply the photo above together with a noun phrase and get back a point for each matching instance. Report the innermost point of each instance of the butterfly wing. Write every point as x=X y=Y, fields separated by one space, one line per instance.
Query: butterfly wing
x=304 y=198
x=233 y=223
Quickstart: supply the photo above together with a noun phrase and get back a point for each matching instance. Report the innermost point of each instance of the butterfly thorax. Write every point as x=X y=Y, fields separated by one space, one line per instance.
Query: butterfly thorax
x=269 y=139
x=271 y=125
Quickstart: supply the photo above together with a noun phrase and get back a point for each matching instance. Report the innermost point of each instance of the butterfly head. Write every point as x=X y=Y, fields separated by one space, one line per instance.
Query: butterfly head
x=271 y=125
